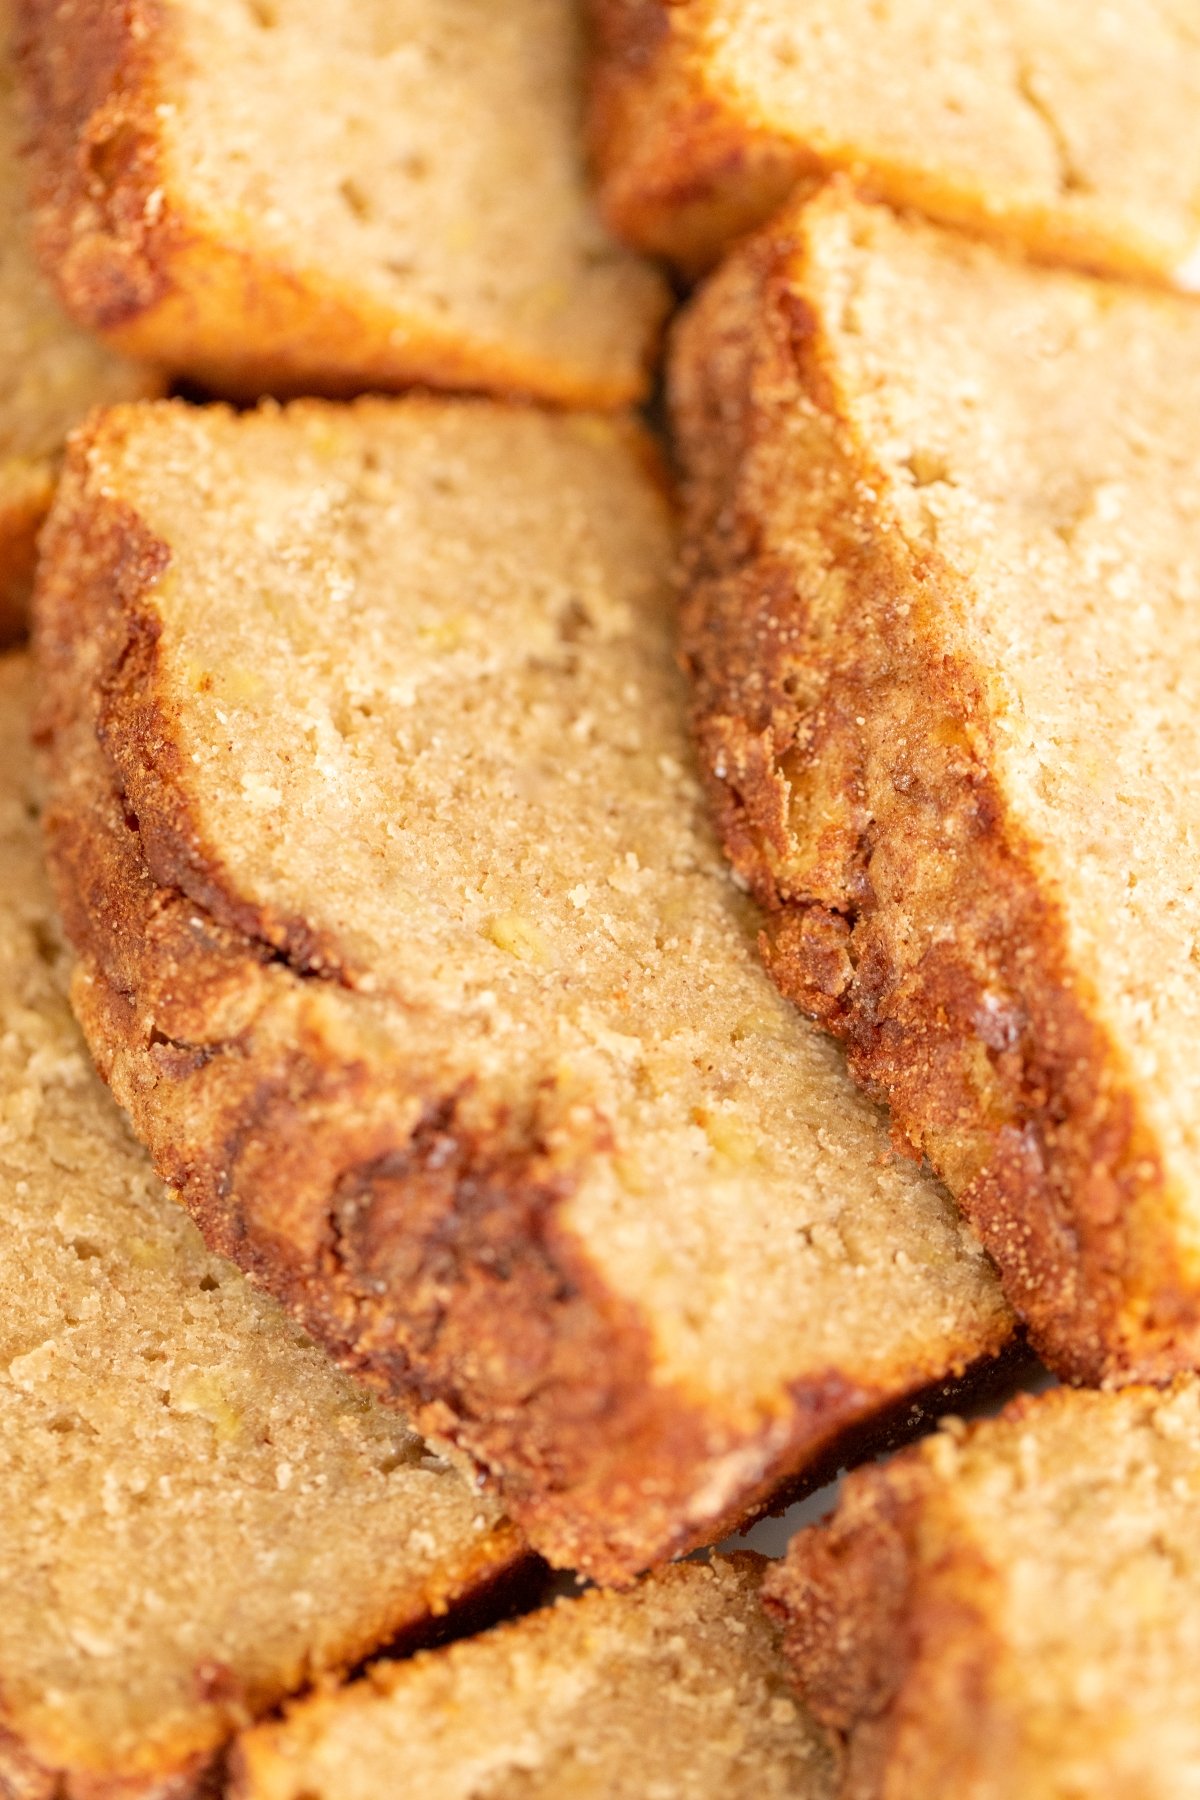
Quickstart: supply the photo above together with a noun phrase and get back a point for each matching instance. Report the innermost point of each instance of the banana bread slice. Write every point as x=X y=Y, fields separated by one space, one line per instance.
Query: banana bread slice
x=1012 y=1611
x=51 y=373
x=200 y=1513
x=676 y=1690
x=1063 y=125
x=308 y=196
x=409 y=949
x=944 y=565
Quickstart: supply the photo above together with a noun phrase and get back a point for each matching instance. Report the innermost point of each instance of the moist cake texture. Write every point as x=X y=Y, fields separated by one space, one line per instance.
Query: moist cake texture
x=407 y=945
x=676 y=1689
x=51 y=373
x=304 y=196
x=1010 y=1612
x=1056 y=123
x=200 y=1513
x=943 y=550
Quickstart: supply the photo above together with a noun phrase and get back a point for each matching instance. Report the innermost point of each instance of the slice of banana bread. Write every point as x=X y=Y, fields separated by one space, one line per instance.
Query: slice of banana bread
x=50 y=372
x=1064 y=125
x=308 y=196
x=1012 y=1611
x=200 y=1513
x=675 y=1691
x=408 y=947
x=944 y=565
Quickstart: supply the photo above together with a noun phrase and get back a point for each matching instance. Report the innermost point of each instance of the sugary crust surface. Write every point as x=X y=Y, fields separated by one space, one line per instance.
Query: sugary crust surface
x=406 y=1211
x=1005 y=1610
x=1027 y=121
x=136 y=229
x=177 y=1461
x=849 y=732
x=676 y=1688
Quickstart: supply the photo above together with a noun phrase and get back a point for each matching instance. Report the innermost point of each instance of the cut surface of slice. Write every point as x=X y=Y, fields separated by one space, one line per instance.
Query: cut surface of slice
x=408 y=946
x=944 y=556
x=51 y=372
x=303 y=196
x=200 y=1512
x=1050 y=122
x=1011 y=1611
x=676 y=1689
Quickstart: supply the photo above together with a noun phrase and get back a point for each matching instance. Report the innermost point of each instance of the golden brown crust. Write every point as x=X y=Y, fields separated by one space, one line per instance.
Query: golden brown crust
x=691 y=154
x=923 y=1620
x=21 y=515
x=431 y=1257
x=845 y=748
x=90 y=75
x=679 y=175
x=881 y=1643
x=132 y=262
x=23 y=1777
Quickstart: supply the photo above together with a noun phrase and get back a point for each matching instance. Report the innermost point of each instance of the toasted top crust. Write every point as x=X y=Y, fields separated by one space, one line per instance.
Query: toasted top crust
x=944 y=571
x=1054 y=122
x=199 y=1511
x=390 y=698
x=676 y=1690
x=1013 y=1612
x=51 y=373
x=299 y=195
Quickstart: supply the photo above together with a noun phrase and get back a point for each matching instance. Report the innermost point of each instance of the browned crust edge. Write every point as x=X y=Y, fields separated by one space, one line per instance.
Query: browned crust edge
x=424 y=1248
x=678 y=175
x=849 y=759
x=131 y=261
x=892 y=1651
x=685 y=168
x=21 y=517
x=891 y=1614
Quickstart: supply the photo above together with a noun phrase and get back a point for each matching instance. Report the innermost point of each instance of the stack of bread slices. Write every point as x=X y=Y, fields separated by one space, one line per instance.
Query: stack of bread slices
x=644 y=939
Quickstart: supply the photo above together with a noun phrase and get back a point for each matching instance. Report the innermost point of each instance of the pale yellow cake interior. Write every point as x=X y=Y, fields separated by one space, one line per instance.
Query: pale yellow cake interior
x=199 y=1510
x=427 y=157
x=982 y=110
x=1047 y=452
x=1087 y=1511
x=676 y=1691
x=423 y=661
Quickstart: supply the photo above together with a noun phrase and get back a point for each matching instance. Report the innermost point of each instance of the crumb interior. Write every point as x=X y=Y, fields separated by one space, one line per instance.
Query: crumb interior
x=200 y=1511
x=421 y=663
x=676 y=1690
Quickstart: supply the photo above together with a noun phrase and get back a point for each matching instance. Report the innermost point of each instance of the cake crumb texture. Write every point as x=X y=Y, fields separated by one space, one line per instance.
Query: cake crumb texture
x=406 y=942
x=201 y=1514
x=306 y=196
x=674 y=1691
x=1057 y=124
x=943 y=551
x=1010 y=1611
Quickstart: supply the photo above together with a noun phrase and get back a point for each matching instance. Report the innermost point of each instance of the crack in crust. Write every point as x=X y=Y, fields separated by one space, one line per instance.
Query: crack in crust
x=415 y=1229
x=847 y=752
